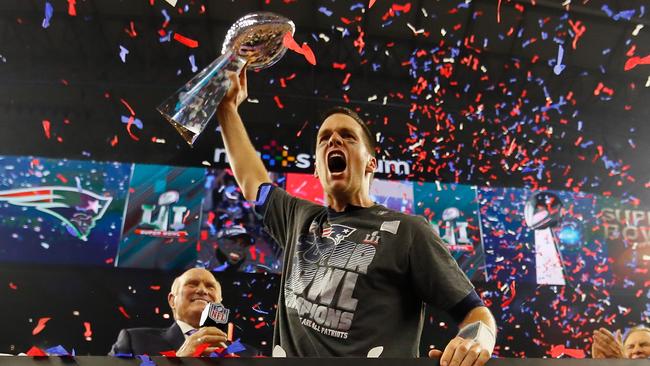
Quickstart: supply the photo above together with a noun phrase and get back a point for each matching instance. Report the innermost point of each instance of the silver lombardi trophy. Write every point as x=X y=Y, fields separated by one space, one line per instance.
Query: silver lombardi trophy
x=542 y=212
x=255 y=42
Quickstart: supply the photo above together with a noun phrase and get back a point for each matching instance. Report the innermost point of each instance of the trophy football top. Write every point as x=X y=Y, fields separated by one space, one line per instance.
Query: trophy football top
x=257 y=37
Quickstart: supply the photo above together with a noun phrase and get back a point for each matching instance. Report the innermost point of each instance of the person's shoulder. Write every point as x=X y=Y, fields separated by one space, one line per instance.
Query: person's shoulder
x=144 y=331
x=280 y=193
x=384 y=211
x=412 y=221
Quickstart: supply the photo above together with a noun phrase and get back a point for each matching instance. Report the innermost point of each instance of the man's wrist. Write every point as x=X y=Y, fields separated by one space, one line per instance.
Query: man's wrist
x=225 y=110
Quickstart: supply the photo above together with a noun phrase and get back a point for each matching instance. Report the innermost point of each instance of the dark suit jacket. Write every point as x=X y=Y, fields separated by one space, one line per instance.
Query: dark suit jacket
x=150 y=341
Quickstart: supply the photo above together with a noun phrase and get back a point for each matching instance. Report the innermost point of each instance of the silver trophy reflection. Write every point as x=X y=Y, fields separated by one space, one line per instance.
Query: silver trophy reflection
x=543 y=211
x=254 y=41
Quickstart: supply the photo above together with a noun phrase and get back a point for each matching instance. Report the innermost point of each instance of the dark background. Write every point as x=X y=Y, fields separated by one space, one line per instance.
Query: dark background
x=71 y=75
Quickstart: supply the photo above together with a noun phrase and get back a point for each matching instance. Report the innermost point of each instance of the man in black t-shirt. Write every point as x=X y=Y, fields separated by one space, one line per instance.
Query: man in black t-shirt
x=356 y=275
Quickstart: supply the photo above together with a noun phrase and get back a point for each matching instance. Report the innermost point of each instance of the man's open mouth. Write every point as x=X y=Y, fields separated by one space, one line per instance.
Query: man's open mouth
x=336 y=162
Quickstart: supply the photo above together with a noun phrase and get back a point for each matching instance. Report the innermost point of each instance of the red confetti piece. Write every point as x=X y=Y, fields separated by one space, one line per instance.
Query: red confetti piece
x=109 y=260
x=578 y=29
x=46 y=128
x=405 y=8
x=199 y=349
x=186 y=41
x=154 y=287
x=602 y=88
x=170 y=353
x=302 y=128
x=129 y=125
x=131 y=31
x=72 y=10
x=308 y=53
x=88 y=332
x=62 y=178
x=305 y=50
x=40 y=326
x=499 y=12
x=114 y=141
x=13 y=286
x=126 y=315
x=635 y=61
x=36 y=352
x=126 y=104
x=371 y=3
x=278 y=102
x=560 y=350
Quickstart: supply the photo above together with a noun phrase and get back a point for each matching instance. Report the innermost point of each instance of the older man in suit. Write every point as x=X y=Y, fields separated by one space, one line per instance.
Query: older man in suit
x=189 y=295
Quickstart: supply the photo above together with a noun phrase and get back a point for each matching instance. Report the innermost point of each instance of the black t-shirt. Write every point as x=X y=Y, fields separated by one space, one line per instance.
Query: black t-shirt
x=356 y=280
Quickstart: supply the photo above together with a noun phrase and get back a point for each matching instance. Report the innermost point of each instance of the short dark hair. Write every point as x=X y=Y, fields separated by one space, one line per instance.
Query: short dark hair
x=367 y=134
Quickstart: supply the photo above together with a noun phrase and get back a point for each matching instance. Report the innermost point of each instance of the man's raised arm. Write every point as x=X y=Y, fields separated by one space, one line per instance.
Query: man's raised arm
x=247 y=166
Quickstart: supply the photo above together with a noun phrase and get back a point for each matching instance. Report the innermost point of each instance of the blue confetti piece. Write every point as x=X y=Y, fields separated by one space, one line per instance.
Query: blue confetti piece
x=235 y=347
x=136 y=121
x=220 y=268
x=146 y=360
x=167 y=18
x=166 y=38
x=325 y=11
x=559 y=67
x=193 y=63
x=57 y=351
x=124 y=355
x=625 y=14
x=607 y=10
x=123 y=53
x=48 y=14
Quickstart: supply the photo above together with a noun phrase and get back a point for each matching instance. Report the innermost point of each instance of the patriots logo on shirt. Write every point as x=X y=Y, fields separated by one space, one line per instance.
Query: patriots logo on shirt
x=313 y=246
x=337 y=233
x=78 y=209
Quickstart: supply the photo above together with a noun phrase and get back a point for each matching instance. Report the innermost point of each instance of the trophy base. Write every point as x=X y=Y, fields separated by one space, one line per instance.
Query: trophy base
x=188 y=135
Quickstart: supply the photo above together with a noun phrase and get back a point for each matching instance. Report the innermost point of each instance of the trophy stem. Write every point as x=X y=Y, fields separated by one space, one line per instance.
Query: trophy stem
x=191 y=107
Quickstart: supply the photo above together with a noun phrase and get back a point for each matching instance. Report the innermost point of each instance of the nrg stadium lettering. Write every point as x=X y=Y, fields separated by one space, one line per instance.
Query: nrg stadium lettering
x=306 y=161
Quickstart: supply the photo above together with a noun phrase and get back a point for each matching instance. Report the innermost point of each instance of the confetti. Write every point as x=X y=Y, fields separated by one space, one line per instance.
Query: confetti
x=40 y=326
x=123 y=311
x=559 y=67
x=88 y=332
x=72 y=8
x=635 y=61
x=304 y=50
x=46 y=128
x=48 y=14
x=123 y=53
x=186 y=41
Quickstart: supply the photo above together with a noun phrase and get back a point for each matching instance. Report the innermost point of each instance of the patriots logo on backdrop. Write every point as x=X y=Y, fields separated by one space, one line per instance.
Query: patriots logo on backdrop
x=78 y=209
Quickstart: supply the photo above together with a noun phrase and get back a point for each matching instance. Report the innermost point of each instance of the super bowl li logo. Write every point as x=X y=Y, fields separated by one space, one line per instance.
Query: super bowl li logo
x=165 y=219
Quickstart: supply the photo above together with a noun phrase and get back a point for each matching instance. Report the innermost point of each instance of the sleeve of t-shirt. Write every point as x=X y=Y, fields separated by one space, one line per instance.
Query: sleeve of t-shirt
x=279 y=211
x=435 y=274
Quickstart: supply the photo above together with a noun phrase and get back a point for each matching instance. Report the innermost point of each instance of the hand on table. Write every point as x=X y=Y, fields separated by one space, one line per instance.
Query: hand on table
x=211 y=335
x=462 y=352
